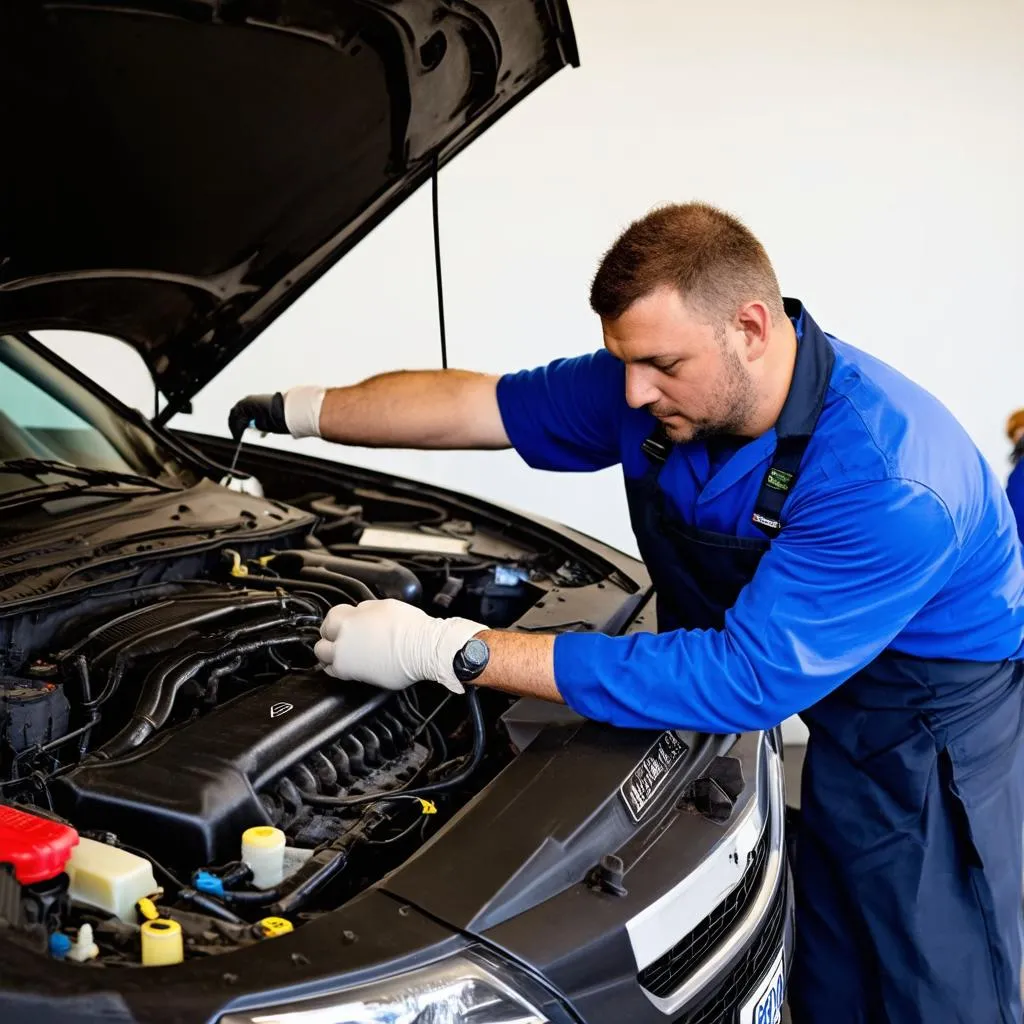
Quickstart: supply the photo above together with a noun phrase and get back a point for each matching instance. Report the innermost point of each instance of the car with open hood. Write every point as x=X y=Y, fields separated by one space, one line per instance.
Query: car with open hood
x=196 y=824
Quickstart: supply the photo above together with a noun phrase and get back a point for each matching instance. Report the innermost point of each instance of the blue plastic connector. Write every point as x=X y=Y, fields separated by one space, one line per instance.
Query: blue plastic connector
x=60 y=944
x=209 y=883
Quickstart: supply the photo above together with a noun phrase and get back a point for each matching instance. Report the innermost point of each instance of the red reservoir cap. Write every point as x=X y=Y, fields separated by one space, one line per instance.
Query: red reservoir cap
x=37 y=847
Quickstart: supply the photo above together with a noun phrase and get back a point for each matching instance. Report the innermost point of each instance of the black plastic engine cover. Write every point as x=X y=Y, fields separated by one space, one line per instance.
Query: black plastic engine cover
x=188 y=795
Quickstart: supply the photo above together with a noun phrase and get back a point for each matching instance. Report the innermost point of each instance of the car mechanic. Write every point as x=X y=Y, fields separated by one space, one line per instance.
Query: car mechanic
x=824 y=539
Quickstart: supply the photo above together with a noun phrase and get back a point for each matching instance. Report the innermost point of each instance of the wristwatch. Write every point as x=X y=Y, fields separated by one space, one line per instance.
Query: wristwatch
x=470 y=660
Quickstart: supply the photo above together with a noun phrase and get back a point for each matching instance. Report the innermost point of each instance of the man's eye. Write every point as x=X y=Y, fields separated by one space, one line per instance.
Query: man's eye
x=667 y=367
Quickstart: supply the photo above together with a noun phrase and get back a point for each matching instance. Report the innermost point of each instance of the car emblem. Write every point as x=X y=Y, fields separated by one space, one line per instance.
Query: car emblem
x=280 y=708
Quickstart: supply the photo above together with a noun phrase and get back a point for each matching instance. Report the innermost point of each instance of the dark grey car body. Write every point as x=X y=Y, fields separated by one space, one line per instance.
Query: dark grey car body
x=226 y=153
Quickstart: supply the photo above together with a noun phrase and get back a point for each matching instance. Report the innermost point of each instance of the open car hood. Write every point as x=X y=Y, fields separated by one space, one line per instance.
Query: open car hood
x=177 y=172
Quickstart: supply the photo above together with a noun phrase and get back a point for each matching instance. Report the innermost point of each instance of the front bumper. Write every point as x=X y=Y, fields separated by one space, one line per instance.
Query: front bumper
x=732 y=914
x=698 y=904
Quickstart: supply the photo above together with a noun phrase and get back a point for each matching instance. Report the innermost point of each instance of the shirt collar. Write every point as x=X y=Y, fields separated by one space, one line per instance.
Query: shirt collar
x=812 y=372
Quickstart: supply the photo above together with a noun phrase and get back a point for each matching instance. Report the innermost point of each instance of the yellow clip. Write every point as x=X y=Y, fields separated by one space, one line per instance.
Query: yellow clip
x=274 y=926
x=147 y=908
x=265 y=560
x=237 y=569
x=429 y=807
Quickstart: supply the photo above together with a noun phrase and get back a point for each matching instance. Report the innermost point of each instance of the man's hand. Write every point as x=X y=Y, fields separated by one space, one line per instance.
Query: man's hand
x=296 y=412
x=392 y=644
x=263 y=412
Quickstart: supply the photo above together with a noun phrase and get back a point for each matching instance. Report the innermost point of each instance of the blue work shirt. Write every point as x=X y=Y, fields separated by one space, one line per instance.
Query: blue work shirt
x=1015 y=492
x=896 y=534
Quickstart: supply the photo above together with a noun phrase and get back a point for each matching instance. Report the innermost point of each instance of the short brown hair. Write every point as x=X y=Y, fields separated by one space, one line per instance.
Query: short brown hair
x=711 y=257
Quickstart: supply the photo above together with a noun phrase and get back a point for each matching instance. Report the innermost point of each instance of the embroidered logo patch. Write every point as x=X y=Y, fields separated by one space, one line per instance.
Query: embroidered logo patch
x=779 y=479
x=772 y=524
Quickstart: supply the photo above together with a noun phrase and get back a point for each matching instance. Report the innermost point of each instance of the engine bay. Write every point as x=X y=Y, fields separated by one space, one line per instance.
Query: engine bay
x=169 y=729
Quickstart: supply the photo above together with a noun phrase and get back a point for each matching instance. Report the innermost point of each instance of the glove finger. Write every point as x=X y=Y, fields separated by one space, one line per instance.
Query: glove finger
x=329 y=671
x=324 y=651
x=238 y=420
x=334 y=621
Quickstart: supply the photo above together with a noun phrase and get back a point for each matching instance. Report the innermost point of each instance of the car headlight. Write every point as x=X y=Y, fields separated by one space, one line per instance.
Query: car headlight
x=459 y=990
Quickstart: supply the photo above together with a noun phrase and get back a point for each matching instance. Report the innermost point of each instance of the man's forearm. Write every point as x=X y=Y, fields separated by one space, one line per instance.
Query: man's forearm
x=521 y=663
x=426 y=409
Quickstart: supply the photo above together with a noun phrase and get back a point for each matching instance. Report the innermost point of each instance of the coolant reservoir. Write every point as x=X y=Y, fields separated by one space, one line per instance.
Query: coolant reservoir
x=110 y=879
x=263 y=851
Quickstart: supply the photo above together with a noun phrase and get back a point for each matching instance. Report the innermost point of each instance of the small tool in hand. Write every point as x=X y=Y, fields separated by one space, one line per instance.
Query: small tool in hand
x=238 y=449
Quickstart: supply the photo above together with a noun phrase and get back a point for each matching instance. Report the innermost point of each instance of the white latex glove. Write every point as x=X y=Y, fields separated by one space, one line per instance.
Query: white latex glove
x=392 y=644
x=302 y=410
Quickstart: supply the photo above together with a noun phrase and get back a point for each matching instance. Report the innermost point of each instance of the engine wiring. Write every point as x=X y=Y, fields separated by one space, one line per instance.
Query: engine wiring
x=472 y=698
x=148 y=668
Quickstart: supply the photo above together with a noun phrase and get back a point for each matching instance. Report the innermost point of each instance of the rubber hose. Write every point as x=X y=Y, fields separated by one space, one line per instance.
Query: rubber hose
x=329 y=594
x=128 y=648
x=210 y=905
x=157 y=699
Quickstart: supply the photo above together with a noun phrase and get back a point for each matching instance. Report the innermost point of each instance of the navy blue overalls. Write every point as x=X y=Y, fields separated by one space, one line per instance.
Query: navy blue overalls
x=907 y=862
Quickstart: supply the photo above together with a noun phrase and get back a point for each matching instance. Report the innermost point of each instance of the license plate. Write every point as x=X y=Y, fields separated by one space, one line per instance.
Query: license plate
x=765 y=1005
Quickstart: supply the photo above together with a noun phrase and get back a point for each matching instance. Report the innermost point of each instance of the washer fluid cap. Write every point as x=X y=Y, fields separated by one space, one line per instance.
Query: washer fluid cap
x=38 y=848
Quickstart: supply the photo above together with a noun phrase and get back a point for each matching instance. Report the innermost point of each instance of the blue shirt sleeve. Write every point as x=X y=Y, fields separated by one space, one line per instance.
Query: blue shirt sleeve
x=1015 y=492
x=566 y=415
x=850 y=569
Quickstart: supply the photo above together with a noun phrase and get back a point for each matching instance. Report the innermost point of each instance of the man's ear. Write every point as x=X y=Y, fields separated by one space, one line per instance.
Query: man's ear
x=754 y=319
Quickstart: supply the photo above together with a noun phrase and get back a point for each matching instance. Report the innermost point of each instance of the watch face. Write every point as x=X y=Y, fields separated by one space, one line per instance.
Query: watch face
x=475 y=652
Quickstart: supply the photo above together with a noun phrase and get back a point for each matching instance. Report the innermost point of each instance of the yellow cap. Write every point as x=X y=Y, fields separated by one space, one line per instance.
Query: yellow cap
x=162 y=943
x=264 y=836
x=147 y=908
x=274 y=926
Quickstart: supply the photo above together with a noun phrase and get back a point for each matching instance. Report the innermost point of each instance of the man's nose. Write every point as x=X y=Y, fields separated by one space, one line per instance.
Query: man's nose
x=639 y=391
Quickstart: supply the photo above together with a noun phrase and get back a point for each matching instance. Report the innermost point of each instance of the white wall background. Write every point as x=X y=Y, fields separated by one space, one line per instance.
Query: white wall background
x=876 y=147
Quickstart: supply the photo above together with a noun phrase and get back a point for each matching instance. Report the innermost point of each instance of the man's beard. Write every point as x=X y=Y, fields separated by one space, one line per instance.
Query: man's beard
x=734 y=400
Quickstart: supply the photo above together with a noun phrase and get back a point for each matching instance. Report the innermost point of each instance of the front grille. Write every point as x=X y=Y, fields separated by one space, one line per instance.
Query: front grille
x=719 y=1007
x=671 y=969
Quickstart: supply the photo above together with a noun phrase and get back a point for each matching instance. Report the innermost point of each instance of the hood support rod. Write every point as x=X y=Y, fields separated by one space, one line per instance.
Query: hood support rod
x=437 y=265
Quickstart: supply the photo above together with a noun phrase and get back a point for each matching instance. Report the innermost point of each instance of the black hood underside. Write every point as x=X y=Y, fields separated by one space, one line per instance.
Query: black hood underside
x=177 y=172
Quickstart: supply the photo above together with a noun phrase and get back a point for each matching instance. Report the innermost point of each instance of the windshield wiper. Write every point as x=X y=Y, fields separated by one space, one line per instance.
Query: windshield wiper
x=81 y=482
x=35 y=467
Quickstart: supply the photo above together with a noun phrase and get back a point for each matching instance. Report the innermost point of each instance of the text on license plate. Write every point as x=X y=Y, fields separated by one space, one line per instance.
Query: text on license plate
x=765 y=1004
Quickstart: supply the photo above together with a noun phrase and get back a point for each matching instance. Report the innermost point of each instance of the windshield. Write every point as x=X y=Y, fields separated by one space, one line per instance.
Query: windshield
x=46 y=414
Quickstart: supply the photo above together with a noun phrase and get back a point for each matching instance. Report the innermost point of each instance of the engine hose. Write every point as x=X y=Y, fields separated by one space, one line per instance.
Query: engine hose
x=321 y=580
x=295 y=891
x=295 y=621
x=157 y=699
x=213 y=907
x=232 y=874
x=299 y=887
x=252 y=897
x=157 y=702
x=476 y=756
x=384 y=576
x=82 y=666
x=328 y=593
x=355 y=589
x=222 y=608
x=308 y=882
x=216 y=675
x=124 y=655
